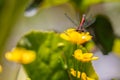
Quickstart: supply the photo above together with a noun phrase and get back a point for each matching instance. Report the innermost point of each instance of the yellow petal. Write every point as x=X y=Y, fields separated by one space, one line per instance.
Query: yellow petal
x=78 y=54
x=88 y=55
x=85 y=60
x=0 y=68
x=74 y=36
x=8 y=56
x=88 y=38
x=78 y=51
x=71 y=30
x=84 y=77
x=65 y=36
x=90 y=78
x=95 y=58
x=21 y=55
x=73 y=72
x=11 y=56
x=28 y=57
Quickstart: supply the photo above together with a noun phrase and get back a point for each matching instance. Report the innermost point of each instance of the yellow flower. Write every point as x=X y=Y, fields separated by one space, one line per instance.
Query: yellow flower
x=83 y=75
x=21 y=55
x=73 y=72
x=84 y=57
x=76 y=37
x=0 y=68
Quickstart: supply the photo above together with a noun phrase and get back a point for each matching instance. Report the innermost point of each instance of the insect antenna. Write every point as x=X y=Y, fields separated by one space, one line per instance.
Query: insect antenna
x=71 y=19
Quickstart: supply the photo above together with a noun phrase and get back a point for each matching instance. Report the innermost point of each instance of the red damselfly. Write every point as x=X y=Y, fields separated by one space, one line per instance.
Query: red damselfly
x=84 y=23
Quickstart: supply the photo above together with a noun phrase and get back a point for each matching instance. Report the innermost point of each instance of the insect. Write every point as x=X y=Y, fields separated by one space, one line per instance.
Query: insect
x=84 y=23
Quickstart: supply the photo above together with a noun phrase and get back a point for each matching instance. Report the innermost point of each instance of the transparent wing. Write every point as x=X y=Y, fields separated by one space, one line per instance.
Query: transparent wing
x=88 y=22
x=71 y=20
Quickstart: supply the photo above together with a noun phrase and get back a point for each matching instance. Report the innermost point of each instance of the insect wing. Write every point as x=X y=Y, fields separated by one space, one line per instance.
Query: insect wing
x=88 y=22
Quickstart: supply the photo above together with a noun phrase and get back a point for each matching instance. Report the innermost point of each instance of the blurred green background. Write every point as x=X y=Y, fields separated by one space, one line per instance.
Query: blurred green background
x=19 y=17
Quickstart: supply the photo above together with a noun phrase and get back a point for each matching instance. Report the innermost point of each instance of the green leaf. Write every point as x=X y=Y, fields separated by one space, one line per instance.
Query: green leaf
x=103 y=34
x=10 y=11
x=47 y=3
x=54 y=57
x=90 y=71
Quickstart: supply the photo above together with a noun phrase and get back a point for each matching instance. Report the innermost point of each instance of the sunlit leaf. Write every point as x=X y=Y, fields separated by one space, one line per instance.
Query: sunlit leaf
x=54 y=57
x=83 y=5
x=90 y=46
x=46 y=3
